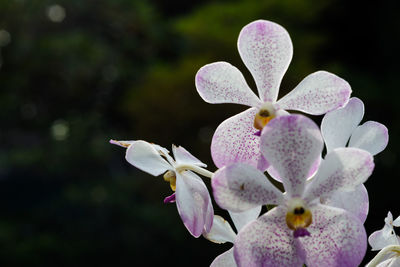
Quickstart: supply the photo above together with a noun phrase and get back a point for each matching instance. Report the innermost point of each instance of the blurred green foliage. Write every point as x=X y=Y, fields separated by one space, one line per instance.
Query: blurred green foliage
x=125 y=69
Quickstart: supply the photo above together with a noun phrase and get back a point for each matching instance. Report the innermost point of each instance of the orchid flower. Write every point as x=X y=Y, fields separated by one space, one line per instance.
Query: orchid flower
x=388 y=242
x=299 y=229
x=221 y=232
x=266 y=49
x=385 y=237
x=341 y=127
x=191 y=195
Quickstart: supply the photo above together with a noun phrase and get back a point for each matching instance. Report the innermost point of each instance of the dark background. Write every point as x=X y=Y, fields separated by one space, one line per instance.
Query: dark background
x=125 y=69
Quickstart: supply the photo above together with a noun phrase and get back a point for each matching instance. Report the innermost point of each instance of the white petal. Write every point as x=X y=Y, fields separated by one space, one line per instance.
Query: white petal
x=338 y=125
x=317 y=94
x=240 y=219
x=397 y=222
x=379 y=239
x=194 y=203
x=226 y=259
x=266 y=50
x=221 y=231
x=371 y=136
x=145 y=157
x=356 y=202
x=240 y=187
x=344 y=169
x=220 y=82
x=182 y=156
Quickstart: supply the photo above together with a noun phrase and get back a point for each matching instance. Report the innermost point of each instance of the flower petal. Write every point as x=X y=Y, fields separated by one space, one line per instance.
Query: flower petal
x=292 y=144
x=220 y=82
x=226 y=259
x=221 y=231
x=396 y=222
x=337 y=238
x=266 y=50
x=240 y=219
x=380 y=239
x=344 y=169
x=240 y=187
x=317 y=94
x=338 y=125
x=371 y=136
x=182 y=156
x=194 y=203
x=145 y=157
x=267 y=241
x=235 y=141
x=355 y=202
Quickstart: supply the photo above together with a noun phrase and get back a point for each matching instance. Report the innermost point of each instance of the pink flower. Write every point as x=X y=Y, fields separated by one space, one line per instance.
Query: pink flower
x=266 y=49
x=299 y=230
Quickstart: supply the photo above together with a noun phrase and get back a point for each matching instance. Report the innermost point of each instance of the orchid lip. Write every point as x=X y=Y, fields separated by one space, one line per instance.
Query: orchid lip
x=301 y=232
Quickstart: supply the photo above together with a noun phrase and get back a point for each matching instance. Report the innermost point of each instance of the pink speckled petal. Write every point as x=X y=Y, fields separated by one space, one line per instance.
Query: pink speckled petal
x=182 y=156
x=240 y=219
x=342 y=169
x=292 y=144
x=235 y=141
x=145 y=157
x=194 y=203
x=356 y=202
x=266 y=50
x=338 y=125
x=268 y=242
x=221 y=231
x=240 y=187
x=337 y=238
x=220 y=82
x=226 y=259
x=317 y=94
x=371 y=136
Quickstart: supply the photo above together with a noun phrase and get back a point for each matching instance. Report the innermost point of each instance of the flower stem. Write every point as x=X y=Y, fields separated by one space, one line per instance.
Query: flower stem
x=194 y=168
x=378 y=258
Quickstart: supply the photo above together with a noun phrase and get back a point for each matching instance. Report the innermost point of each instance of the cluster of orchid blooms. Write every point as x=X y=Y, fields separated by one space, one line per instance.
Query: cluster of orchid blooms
x=317 y=219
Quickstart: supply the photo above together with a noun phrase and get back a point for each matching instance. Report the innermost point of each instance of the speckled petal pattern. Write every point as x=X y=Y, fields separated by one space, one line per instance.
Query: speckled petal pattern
x=145 y=157
x=355 y=202
x=338 y=125
x=182 y=156
x=267 y=242
x=240 y=187
x=226 y=259
x=194 y=203
x=266 y=50
x=337 y=238
x=342 y=169
x=371 y=136
x=292 y=144
x=317 y=94
x=235 y=141
x=220 y=82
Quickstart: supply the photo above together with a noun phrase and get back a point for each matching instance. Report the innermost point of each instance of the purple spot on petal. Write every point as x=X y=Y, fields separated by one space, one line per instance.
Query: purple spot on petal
x=169 y=199
x=301 y=232
x=258 y=133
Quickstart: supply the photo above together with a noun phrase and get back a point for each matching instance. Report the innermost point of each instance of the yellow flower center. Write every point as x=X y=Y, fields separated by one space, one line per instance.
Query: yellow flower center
x=264 y=115
x=170 y=177
x=298 y=215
